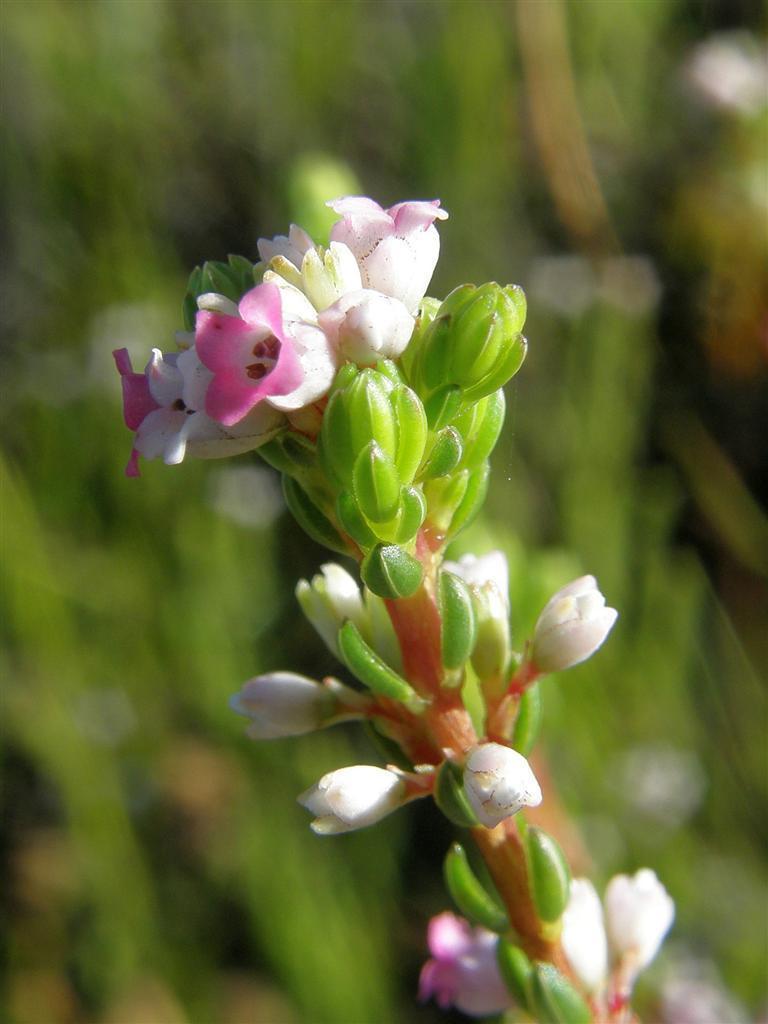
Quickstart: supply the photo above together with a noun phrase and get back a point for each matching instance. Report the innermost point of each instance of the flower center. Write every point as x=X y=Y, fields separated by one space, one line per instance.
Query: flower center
x=265 y=354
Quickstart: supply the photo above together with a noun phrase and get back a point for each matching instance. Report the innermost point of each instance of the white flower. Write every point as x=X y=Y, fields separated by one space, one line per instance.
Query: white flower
x=291 y=248
x=573 y=624
x=488 y=579
x=286 y=704
x=366 y=326
x=329 y=600
x=583 y=936
x=352 y=798
x=498 y=782
x=639 y=912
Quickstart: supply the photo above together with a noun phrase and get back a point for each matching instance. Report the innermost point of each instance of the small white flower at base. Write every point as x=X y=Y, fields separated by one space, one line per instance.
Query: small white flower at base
x=583 y=936
x=573 y=624
x=499 y=782
x=286 y=704
x=639 y=912
x=352 y=798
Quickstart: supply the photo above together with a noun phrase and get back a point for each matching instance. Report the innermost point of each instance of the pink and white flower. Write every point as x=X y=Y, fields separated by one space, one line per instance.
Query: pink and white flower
x=396 y=249
x=260 y=354
x=462 y=971
x=165 y=406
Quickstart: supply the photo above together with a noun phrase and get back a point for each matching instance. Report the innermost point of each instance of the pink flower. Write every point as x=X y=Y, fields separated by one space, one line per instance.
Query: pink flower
x=396 y=249
x=256 y=353
x=165 y=407
x=463 y=971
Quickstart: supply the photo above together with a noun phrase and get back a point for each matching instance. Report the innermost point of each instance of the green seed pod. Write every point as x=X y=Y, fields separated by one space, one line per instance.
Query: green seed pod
x=389 y=571
x=517 y=971
x=528 y=721
x=369 y=668
x=549 y=874
x=411 y=421
x=469 y=894
x=352 y=520
x=310 y=518
x=459 y=625
x=472 y=498
x=555 y=1000
x=450 y=797
x=376 y=484
x=445 y=455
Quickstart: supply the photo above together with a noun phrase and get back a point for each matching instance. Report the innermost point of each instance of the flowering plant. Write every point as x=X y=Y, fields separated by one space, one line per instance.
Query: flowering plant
x=380 y=407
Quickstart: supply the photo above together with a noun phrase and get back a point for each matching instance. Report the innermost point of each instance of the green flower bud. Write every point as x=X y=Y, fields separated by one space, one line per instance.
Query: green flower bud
x=376 y=484
x=469 y=894
x=549 y=874
x=474 y=341
x=459 y=625
x=389 y=571
x=554 y=999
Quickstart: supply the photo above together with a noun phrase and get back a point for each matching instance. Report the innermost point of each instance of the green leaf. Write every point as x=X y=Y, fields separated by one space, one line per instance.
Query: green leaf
x=459 y=624
x=450 y=797
x=389 y=571
x=486 y=430
x=352 y=520
x=442 y=406
x=369 y=668
x=472 y=498
x=549 y=874
x=517 y=971
x=411 y=421
x=376 y=484
x=369 y=414
x=336 y=451
x=504 y=371
x=468 y=893
x=310 y=518
x=413 y=511
x=528 y=721
x=555 y=1000
x=446 y=453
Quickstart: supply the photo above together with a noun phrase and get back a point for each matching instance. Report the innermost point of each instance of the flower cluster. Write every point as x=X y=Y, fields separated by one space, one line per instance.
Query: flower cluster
x=254 y=362
x=380 y=407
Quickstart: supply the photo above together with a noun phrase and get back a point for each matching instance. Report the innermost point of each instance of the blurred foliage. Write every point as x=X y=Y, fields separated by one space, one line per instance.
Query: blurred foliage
x=157 y=867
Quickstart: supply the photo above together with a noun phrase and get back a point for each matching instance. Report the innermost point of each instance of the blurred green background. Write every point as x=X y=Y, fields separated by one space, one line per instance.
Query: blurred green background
x=609 y=157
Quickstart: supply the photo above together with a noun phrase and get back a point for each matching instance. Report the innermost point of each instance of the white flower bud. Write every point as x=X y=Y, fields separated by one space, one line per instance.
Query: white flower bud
x=366 y=326
x=329 y=600
x=285 y=704
x=498 y=782
x=583 y=936
x=329 y=274
x=488 y=579
x=352 y=798
x=639 y=912
x=572 y=626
